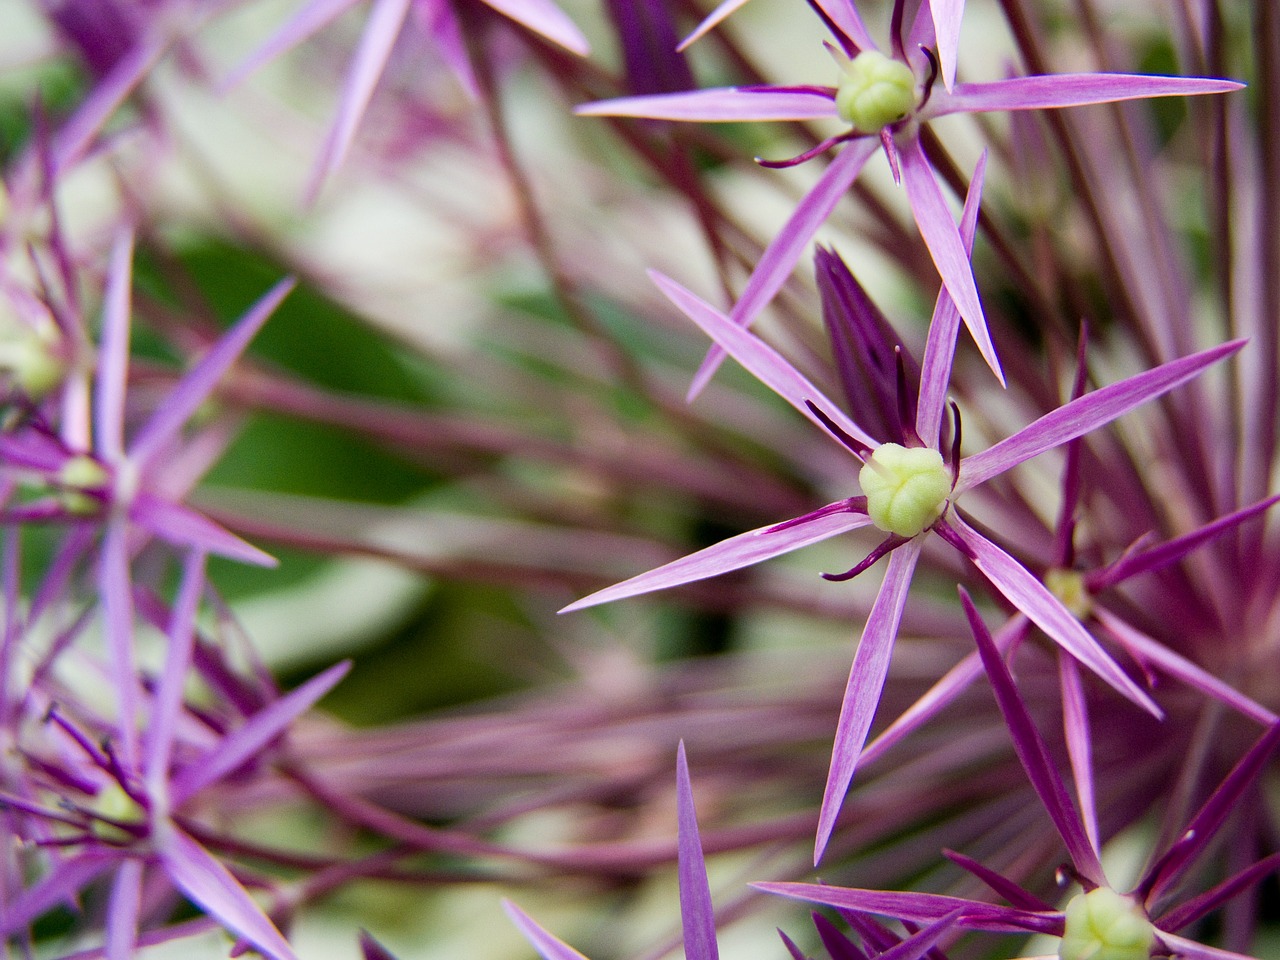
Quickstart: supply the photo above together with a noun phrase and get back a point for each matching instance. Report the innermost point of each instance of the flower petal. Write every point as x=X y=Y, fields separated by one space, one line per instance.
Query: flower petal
x=724 y=105
x=548 y=947
x=711 y=21
x=181 y=525
x=196 y=386
x=1087 y=413
x=779 y=259
x=696 y=913
x=545 y=18
x=945 y=246
x=947 y=15
x=113 y=354
x=1070 y=90
x=1034 y=753
x=1046 y=611
x=735 y=553
x=768 y=366
x=866 y=680
x=211 y=886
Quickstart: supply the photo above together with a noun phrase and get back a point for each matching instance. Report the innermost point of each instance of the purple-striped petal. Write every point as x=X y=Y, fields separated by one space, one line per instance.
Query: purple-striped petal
x=947 y=15
x=548 y=947
x=211 y=886
x=922 y=907
x=711 y=21
x=308 y=20
x=1069 y=90
x=760 y=359
x=184 y=527
x=196 y=386
x=780 y=257
x=696 y=913
x=383 y=27
x=1089 y=412
x=545 y=18
x=263 y=727
x=735 y=553
x=113 y=354
x=940 y=347
x=866 y=680
x=1034 y=753
x=725 y=105
x=945 y=246
x=1075 y=721
x=1046 y=611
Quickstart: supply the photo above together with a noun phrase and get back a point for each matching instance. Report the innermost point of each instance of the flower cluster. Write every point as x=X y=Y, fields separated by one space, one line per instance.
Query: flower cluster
x=389 y=293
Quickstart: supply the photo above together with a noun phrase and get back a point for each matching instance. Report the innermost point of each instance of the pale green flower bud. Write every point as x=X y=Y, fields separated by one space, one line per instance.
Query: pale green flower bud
x=875 y=91
x=906 y=488
x=1069 y=587
x=1105 y=925
x=77 y=475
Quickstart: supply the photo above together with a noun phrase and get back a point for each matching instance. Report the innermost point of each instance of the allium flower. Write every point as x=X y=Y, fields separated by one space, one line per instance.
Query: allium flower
x=885 y=100
x=909 y=489
x=1099 y=922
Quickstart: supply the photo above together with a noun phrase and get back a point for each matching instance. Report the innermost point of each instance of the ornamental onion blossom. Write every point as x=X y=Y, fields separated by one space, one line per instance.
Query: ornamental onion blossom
x=908 y=499
x=885 y=100
x=1099 y=921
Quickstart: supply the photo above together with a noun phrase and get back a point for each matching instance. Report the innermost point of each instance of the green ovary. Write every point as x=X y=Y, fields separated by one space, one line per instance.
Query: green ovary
x=1105 y=925
x=906 y=488
x=875 y=91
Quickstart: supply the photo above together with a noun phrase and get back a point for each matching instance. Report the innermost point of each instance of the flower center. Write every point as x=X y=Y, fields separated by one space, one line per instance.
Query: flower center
x=906 y=488
x=1104 y=925
x=1069 y=587
x=79 y=478
x=875 y=91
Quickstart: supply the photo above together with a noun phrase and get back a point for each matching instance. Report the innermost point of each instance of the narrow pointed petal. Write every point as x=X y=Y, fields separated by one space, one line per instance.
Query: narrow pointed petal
x=921 y=907
x=1206 y=903
x=696 y=913
x=1047 y=612
x=1193 y=950
x=1204 y=826
x=308 y=20
x=115 y=589
x=947 y=15
x=438 y=21
x=845 y=16
x=779 y=259
x=1075 y=712
x=834 y=940
x=711 y=21
x=866 y=680
x=385 y=22
x=735 y=553
x=1071 y=90
x=728 y=104
x=263 y=727
x=760 y=359
x=545 y=18
x=1161 y=555
x=113 y=354
x=946 y=247
x=212 y=887
x=122 y=915
x=176 y=524
x=167 y=702
x=918 y=944
x=548 y=947
x=1089 y=412
x=940 y=347
x=1016 y=895
x=197 y=385
x=1143 y=648
x=1034 y=753
x=371 y=949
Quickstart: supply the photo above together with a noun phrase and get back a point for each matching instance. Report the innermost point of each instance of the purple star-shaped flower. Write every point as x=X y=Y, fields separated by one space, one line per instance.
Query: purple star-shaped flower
x=1099 y=921
x=924 y=483
x=885 y=99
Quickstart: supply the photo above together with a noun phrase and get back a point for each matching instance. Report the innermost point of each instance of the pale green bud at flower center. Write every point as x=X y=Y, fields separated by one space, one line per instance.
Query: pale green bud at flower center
x=78 y=475
x=1105 y=925
x=1069 y=587
x=906 y=488
x=875 y=91
x=114 y=804
x=31 y=357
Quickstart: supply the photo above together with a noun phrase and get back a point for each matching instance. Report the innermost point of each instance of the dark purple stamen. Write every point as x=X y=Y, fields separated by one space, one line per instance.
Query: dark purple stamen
x=893 y=542
x=955 y=443
x=891 y=154
x=929 y=80
x=809 y=154
x=851 y=505
x=857 y=447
